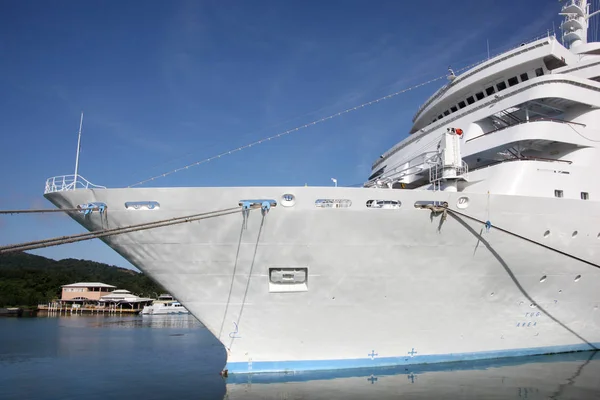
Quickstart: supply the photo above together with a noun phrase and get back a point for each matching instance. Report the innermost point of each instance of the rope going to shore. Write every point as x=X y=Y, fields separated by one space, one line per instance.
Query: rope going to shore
x=117 y=231
x=521 y=237
x=42 y=210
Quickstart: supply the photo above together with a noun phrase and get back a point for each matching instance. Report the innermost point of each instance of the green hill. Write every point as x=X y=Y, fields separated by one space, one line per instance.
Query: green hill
x=29 y=280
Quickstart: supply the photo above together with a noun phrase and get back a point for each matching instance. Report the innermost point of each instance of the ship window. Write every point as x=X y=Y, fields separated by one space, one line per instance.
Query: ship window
x=377 y=173
x=489 y=91
x=479 y=95
x=470 y=100
x=389 y=204
x=446 y=112
x=462 y=104
x=501 y=86
x=333 y=203
x=558 y=193
x=513 y=81
x=585 y=196
x=453 y=109
x=524 y=77
x=539 y=72
x=440 y=116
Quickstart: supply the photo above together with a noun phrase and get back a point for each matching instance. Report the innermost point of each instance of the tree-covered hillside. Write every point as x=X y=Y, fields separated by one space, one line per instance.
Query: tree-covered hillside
x=28 y=280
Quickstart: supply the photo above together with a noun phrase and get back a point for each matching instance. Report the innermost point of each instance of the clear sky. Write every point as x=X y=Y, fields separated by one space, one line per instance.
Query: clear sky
x=166 y=83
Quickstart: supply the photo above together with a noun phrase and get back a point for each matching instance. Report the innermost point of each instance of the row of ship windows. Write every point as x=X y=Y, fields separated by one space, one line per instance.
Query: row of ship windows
x=560 y=194
x=345 y=203
x=500 y=86
x=394 y=204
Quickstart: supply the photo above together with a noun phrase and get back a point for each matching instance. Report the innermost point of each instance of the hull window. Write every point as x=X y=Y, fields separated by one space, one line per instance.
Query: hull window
x=142 y=205
x=333 y=203
x=384 y=204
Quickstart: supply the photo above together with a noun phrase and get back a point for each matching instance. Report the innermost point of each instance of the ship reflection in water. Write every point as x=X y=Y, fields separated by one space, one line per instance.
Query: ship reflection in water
x=562 y=376
x=98 y=357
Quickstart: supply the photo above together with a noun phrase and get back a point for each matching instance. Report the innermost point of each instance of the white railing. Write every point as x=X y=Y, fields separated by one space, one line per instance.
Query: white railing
x=436 y=172
x=68 y=182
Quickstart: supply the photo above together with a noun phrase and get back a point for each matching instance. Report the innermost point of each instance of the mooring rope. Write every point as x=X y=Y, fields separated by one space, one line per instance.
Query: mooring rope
x=523 y=237
x=116 y=231
x=239 y=318
x=43 y=210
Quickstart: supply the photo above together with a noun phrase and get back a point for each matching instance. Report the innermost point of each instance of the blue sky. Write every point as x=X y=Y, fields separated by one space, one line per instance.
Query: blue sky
x=166 y=83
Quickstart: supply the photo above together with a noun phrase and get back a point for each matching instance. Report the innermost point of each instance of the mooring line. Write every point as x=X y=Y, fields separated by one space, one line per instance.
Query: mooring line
x=524 y=238
x=249 y=277
x=115 y=231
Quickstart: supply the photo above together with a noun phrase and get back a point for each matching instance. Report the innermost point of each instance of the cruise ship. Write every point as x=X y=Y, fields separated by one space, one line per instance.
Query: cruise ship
x=477 y=236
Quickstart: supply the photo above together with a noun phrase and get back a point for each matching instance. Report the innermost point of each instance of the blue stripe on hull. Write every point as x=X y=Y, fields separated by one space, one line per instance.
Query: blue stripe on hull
x=481 y=364
x=367 y=362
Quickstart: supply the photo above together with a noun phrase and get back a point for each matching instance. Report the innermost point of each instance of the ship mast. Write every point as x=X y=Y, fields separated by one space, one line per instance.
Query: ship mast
x=576 y=22
x=78 y=148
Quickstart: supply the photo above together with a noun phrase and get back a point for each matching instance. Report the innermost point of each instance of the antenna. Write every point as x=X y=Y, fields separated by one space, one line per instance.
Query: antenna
x=575 y=23
x=78 y=148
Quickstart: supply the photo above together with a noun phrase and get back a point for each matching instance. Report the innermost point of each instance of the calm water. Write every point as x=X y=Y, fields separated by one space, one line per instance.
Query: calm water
x=96 y=357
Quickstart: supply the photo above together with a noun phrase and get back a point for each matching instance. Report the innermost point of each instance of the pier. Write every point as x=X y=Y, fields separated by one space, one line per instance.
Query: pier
x=60 y=308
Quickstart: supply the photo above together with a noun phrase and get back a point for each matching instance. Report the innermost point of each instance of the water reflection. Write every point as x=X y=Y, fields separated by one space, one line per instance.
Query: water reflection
x=175 y=357
x=564 y=376
x=155 y=321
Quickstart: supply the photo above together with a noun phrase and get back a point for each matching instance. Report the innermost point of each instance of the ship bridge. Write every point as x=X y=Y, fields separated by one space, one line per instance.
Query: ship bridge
x=527 y=61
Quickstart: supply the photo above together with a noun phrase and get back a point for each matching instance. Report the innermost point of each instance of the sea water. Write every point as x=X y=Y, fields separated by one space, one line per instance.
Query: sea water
x=175 y=357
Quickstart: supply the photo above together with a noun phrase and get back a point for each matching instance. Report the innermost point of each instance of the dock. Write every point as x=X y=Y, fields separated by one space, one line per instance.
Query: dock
x=59 y=308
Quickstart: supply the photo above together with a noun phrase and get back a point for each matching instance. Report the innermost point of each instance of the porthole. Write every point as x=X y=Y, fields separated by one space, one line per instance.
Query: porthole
x=546 y=234
x=543 y=278
x=288 y=200
x=574 y=234
x=463 y=202
x=577 y=278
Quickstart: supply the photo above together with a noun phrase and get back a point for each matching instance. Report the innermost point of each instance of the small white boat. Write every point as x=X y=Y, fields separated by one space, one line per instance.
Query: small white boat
x=165 y=304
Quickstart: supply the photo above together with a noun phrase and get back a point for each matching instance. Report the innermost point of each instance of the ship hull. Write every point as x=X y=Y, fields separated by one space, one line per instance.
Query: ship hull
x=382 y=286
